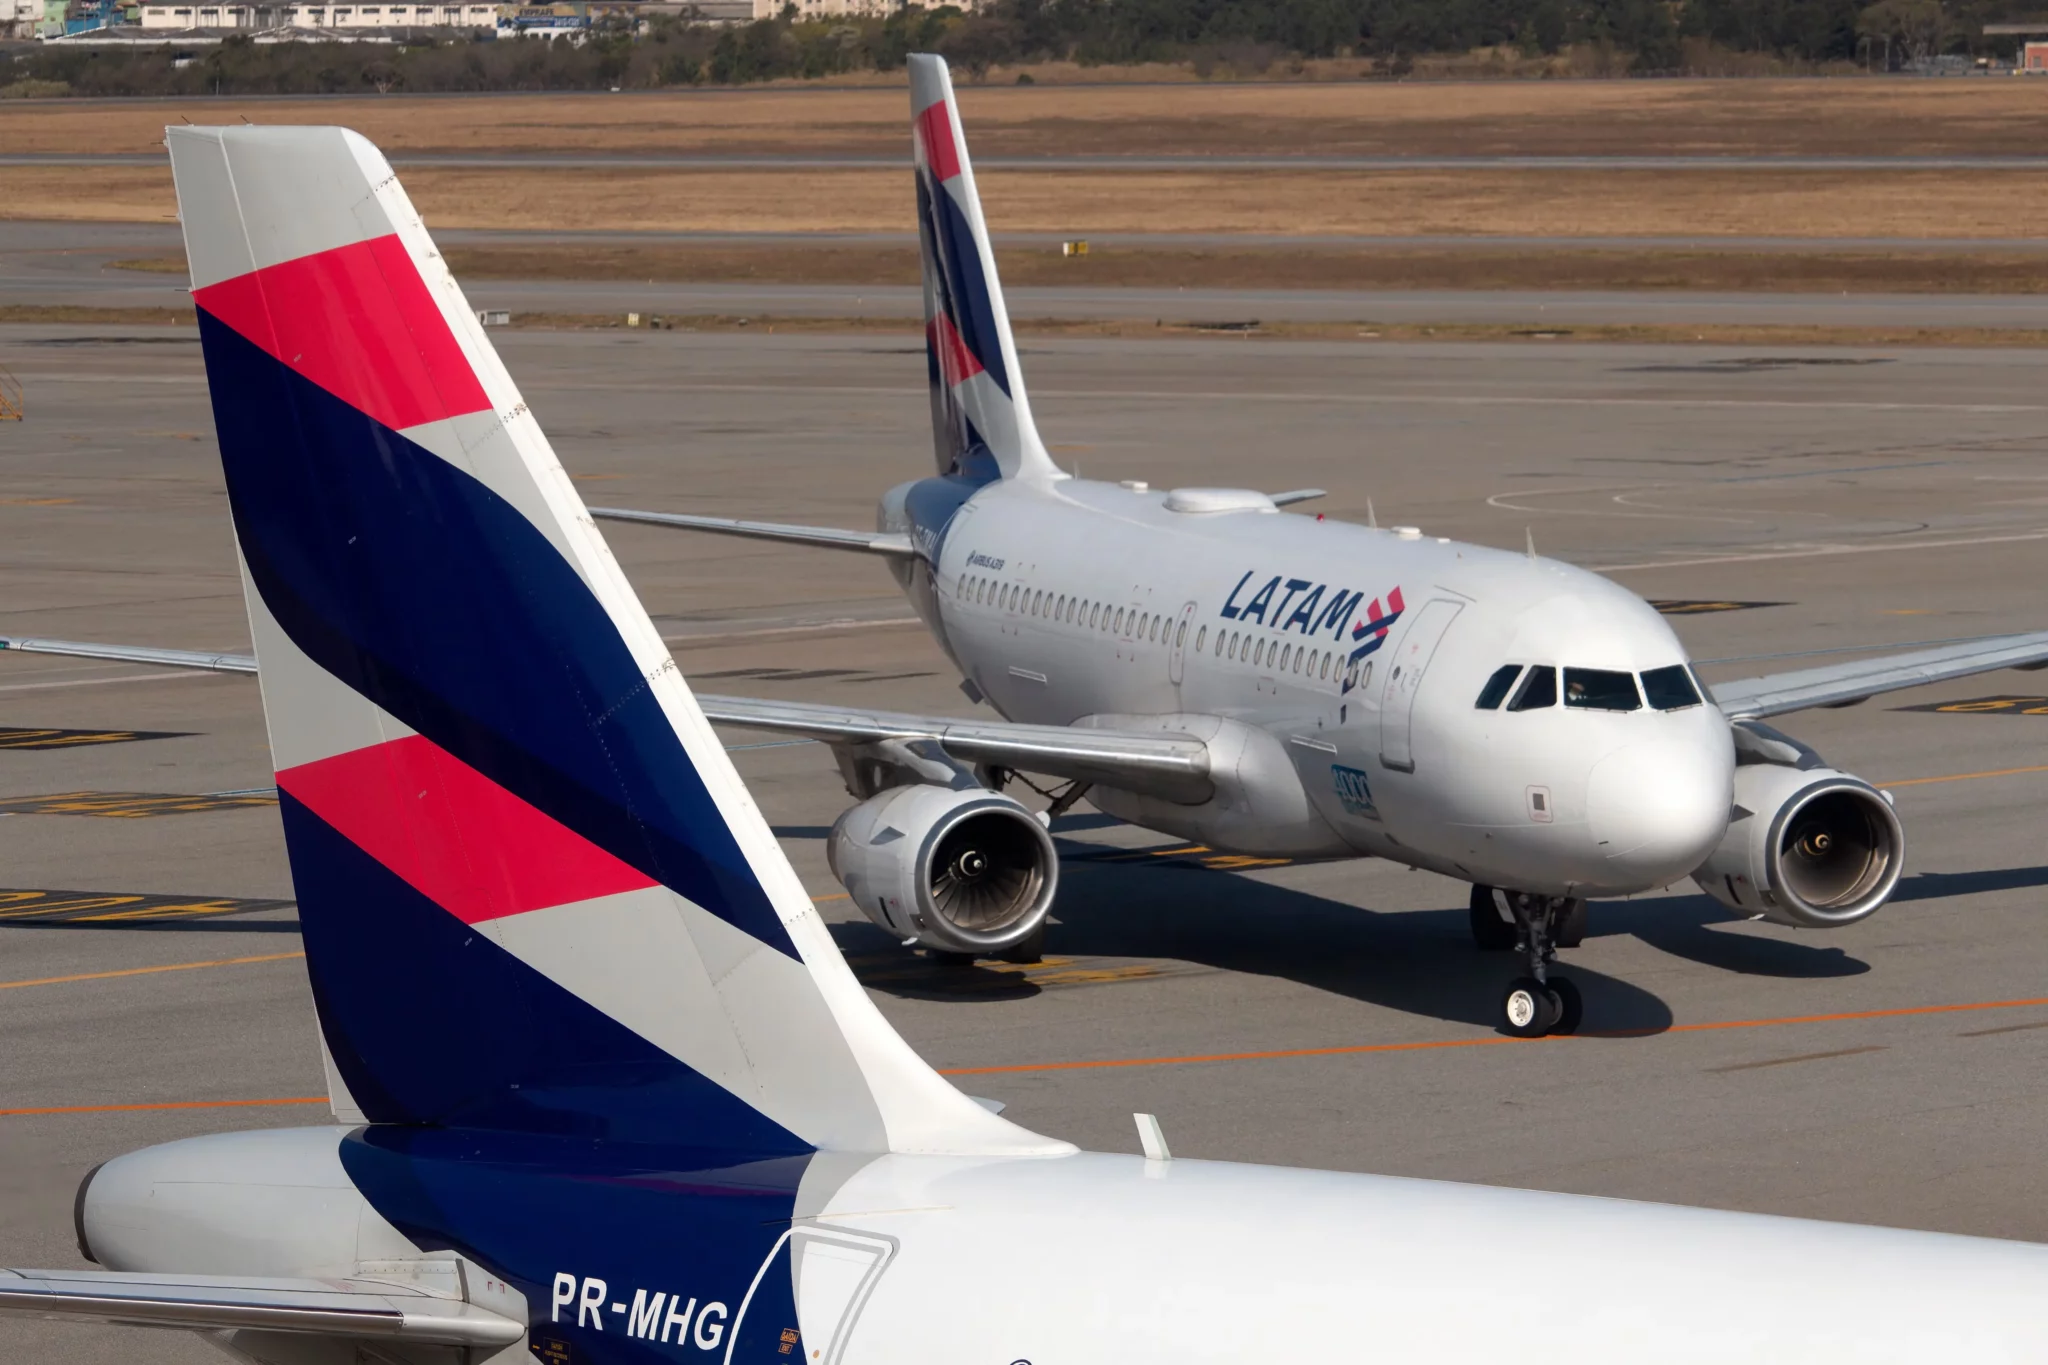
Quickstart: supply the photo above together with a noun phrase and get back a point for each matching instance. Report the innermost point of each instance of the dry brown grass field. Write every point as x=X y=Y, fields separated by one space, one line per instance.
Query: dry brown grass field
x=1538 y=203
x=1831 y=116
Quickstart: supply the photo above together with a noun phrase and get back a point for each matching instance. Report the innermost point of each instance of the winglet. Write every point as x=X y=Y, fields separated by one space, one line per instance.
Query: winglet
x=979 y=410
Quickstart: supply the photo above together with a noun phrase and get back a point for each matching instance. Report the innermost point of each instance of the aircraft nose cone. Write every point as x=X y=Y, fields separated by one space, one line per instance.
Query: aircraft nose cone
x=1657 y=808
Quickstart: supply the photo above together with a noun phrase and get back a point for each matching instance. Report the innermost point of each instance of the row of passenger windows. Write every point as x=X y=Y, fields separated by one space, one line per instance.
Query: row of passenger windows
x=1238 y=646
x=1284 y=656
x=1589 y=689
x=985 y=592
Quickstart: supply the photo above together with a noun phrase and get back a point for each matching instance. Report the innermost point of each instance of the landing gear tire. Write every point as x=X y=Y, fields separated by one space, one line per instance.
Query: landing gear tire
x=1528 y=1009
x=1029 y=950
x=1493 y=929
x=1571 y=1006
x=1539 y=1003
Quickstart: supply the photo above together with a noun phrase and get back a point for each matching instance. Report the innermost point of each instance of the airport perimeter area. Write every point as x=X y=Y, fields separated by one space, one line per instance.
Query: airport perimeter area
x=1779 y=501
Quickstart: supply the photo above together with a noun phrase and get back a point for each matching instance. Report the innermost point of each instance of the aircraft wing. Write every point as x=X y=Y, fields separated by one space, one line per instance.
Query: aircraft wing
x=1170 y=765
x=338 y=1308
x=831 y=538
x=1174 y=766
x=1845 y=684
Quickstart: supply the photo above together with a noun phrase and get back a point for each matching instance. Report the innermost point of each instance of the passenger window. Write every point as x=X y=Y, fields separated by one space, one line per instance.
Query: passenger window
x=1259 y=655
x=1496 y=689
x=1180 y=637
x=1285 y=654
x=1233 y=645
x=1325 y=662
x=1538 y=691
x=1152 y=630
x=1119 y=620
x=1038 y=604
x=1059 y=608
x=1600 y=689
x=1670 y=689
x=1201 y=639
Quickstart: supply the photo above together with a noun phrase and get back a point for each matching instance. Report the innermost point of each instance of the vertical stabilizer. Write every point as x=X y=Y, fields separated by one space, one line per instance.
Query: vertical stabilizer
x=979 y=410
x=536 y=896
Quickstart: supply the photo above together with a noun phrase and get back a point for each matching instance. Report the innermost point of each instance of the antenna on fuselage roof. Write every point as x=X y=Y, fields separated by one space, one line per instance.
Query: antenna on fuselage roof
x=1372 y=518
x=1530 y=532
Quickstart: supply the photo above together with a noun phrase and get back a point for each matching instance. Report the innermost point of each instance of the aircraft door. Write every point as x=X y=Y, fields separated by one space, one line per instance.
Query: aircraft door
x=1176 y=658
x=806 y=1299
x=1404 y=678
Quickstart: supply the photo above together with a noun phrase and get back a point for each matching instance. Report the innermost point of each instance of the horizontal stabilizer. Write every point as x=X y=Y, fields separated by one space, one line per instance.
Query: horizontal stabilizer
x=337 y=1308
x=831 y=538
x=132 y=654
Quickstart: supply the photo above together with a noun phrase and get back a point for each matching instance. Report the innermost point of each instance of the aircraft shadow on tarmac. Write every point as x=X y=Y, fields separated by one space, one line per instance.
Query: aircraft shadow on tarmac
x=1418 y=961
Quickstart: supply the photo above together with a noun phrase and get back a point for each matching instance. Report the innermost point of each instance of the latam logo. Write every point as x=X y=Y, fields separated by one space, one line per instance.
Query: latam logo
x=1311 y=609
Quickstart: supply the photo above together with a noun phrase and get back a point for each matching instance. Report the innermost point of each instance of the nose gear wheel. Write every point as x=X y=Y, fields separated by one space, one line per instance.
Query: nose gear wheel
x=1538 y=1003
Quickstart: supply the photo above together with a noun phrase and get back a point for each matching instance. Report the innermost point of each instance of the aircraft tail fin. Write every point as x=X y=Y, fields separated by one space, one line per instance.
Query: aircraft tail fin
x=536 y=896
x=981 y=418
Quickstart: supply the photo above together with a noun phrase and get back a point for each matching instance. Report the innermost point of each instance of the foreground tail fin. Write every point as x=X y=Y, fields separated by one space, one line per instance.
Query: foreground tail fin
x=979 y=410
x=535 y=894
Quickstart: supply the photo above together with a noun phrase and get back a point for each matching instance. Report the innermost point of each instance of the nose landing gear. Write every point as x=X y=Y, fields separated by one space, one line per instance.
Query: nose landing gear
x=1536 y=926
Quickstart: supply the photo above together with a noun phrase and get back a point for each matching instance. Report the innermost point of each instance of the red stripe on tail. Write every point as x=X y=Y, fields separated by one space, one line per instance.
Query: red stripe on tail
x=957 y=364
x=460 y=839
x=359 y=322
x=935 y=130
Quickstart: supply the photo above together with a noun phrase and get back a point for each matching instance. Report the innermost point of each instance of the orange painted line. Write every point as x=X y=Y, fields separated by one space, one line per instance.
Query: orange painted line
x=144 y=971
x=173 y=1104
x=1361 y=1049
x=1965 y=777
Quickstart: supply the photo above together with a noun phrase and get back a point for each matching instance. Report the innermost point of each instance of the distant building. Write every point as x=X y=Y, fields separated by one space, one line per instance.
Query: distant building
x=2034 y=57
x=20 y=18
x=187 y=15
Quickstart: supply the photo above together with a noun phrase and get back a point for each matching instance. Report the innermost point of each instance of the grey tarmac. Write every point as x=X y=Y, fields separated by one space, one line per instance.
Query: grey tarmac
x=1879 y=497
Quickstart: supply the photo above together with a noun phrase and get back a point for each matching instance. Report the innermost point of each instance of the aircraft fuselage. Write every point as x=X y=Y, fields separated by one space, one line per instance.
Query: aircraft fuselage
x=1340 y=668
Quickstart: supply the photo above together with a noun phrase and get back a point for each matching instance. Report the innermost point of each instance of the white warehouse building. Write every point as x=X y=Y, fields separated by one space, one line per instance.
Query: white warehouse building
x=187 y=15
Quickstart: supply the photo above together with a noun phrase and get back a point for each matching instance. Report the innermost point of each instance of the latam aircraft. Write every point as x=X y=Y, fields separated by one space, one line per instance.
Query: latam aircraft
x=605 y=1091
x=1198 y=662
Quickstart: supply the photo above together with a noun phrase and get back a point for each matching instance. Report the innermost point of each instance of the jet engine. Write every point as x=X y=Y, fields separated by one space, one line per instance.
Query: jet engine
x=959 y=870
x=1808 y=846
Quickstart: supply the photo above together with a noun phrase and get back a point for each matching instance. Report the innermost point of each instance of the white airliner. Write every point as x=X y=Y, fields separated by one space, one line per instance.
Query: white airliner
x=605 y=1090
x=1199 y=662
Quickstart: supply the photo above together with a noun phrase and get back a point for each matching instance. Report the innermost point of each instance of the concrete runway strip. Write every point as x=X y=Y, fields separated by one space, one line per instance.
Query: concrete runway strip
x=1820 y=499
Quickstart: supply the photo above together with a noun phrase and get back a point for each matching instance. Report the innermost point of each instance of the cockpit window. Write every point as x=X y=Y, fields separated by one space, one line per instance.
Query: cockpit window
x=1670 y=689
x=1496 y=689
x=1597 y=689
x=1538 y=690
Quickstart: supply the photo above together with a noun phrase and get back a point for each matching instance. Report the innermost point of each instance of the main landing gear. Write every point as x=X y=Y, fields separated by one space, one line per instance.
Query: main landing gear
x=1536 y=926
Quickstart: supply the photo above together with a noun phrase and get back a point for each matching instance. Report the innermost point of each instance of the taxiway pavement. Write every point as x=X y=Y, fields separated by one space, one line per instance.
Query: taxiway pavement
x=73 y=265
x=1821 y=499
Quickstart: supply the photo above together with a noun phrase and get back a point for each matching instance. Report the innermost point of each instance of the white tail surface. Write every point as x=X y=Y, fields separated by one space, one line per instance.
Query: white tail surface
x=980 y=414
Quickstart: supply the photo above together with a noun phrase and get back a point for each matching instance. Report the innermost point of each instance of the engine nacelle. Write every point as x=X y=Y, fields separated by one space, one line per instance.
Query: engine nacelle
x=1809 y=847
x=960 y=870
